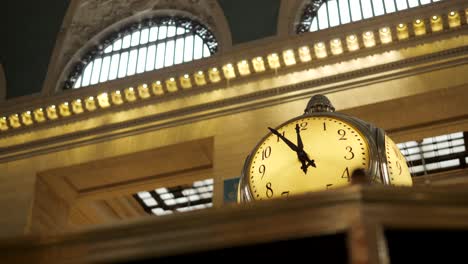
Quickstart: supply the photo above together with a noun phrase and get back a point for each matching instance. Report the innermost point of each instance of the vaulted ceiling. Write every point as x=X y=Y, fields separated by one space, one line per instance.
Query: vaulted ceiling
x=30 y=29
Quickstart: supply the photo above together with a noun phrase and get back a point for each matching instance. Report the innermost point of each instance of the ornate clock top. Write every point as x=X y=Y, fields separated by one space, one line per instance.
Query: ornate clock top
x=319 y=103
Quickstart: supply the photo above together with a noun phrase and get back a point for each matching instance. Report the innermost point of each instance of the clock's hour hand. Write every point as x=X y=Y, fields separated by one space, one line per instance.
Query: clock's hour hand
x=289 y=143
x=300 y=145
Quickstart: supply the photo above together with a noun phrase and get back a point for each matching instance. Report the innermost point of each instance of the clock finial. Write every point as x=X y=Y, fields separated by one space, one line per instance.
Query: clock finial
x=319 y=103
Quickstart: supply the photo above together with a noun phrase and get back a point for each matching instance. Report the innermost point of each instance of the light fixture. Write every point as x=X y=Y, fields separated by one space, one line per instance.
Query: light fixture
x=273 y=61
x=454 y=19
x=143 y=91
x=368 y=39
x=14 y=121
x=103 y=100
x=3 y=124
x=64 y=109
x=77 y=106
x=116 y=97
x=289 y=57
x=228 y=71
x=258 y=64
x=157 y=88
x=26 y=118
x=199 y=78
x=214 y=75
x=436 y=23
x=243 y=67
x=51 y=112
x=335 y=46
x=320 y=50
x=466 y=15
x=171 y=85
x=352 y=42
x=39 y=115
x=385 y=35
x=130 y=95
x=419 y=27
x=304 y=54
x=185 y=81
x=402 y=31
x=90 y=104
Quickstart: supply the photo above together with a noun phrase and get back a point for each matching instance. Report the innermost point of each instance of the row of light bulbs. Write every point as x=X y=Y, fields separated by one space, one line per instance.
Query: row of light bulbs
x=229 y=71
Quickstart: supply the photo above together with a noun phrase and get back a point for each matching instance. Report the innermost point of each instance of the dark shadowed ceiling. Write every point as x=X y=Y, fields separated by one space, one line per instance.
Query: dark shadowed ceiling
x=30 y=28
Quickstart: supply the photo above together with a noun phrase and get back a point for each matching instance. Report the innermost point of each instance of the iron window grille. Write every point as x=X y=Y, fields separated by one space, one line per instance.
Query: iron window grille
x=149 y=45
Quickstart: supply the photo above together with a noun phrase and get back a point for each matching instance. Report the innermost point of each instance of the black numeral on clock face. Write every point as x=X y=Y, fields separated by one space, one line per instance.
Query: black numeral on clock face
x=266 y=153
x=269 y=190
x=350 y=154
x=303 y=125
x=285 y=193
x=342 y=133
x=278 y=138
x=345 y=174
x=262 y=170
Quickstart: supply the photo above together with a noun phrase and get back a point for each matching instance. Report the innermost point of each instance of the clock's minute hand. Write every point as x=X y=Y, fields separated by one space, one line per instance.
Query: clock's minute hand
x=289 y=143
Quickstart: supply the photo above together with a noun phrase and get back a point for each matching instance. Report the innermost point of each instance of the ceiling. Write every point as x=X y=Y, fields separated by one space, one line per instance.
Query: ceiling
x=30 y=35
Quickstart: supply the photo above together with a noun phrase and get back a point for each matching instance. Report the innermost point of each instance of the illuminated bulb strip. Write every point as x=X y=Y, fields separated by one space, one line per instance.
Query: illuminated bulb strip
x=199 y=78
x=228 y=71
x=243 y=68
x=320 y=50
x=130 y=94
x=26 y=118
x=289 y=57
x=14 y=121
x=157 y=88
x=436 y=23
x=419 y=27
x=64 y=109
x=52 y=112
x=304 y=54
x=39 y=115
x=368 y=39
x=213 y=75
x=171 y=85
x=90 y=104
x=143 y=91
x=402 y=31
x=77 y=106
x=116 y=97
x=273 y=61
x=258 y=64
x=335 y=46
x=454 y=19
x=3 y=124
x=185 y=81
x=385 y=35
x=103 y=100
x=352 y=42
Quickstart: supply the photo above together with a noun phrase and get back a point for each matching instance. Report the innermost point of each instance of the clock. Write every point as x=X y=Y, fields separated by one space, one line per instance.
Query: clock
x=319 y=150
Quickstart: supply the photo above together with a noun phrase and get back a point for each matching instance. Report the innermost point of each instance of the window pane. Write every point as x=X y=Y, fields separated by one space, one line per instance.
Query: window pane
x=198 y=48
x=150 y=60
x=322 y=17
x=344 y=11
x=132 y=62
x=108 y=49
x=114 y=66
x=401 y=5
x=425 y=2
x=117 y=45
x=96 y=71
x=87 y=74
x=144 y=36
x=171 y=31
x=333 y=13
x=123 y=64
x=160 y=52
x=78 y=83
x=355 y=10
x=206 y=51
x=153 y=33
x=188 y=50
x=180 y=30
x=413 y=3
x=366 y=8
x=126 y=42
x=162 y=32
x=314 y=25
x=378 y=7
x=179 y=51
x=169 y=61
x=390 y=6
x=135 y=38
x=105 y=69
x=141 y=60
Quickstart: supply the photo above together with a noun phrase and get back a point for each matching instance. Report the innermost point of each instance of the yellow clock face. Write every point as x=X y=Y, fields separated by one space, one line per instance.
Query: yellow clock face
x=330 y=151
x=398 y=171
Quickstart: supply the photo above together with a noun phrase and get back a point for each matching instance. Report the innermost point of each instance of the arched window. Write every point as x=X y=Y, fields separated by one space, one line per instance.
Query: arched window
x=152 y=44
x=322 y=14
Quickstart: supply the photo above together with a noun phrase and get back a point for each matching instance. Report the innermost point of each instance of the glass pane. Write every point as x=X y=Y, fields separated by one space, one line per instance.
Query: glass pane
x=378 y=7
x=153 y=34
x=425 y=2
x=171 y=31
x=96 y=71
x=135 y=38
x=401 y=5
x=78 y=83
x=180 y=30
x=322 y=17
x=144 y=36
x=198 y=49
x=366 y=8
x=150 y=58
x=314 y=25
x=114 y=66
x=206 y=51
x=141 y=60
x=413 y=3
x=169 y=60
x=355 y=10
x=123 y=64
x=160 y=52
x=105 y=69
x=188 y=49
x=87 y=74
x=389 y=6
x=132 y=62
x=344 y=11
x=117 y=45
x=179 y=51
x=333 y=13
x=126 y=42
x=162 y=32
x=108 y=49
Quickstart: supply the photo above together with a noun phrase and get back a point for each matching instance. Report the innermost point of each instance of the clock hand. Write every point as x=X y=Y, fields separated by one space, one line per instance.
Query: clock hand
x=289 y=143
x=299 y=139
x=303 y=156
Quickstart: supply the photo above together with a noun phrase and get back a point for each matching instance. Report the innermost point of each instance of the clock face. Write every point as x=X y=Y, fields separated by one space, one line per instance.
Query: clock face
x=332 y=150
x=398 y=171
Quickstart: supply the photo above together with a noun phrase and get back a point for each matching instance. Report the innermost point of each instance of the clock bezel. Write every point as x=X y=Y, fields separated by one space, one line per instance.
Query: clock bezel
x=368 y=132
